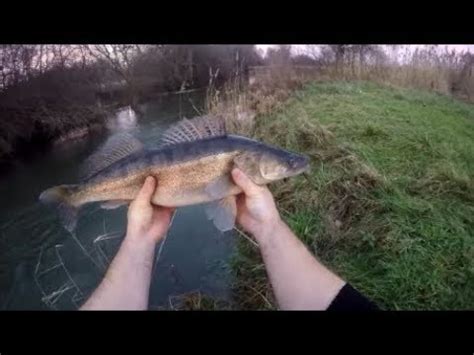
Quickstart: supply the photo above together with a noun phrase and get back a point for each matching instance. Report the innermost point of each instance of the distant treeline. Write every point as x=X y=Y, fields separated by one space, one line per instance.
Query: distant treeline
x=48 y=90
x=433 y=67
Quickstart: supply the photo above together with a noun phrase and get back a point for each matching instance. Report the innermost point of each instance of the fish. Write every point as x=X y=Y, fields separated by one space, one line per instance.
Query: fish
x=192 y=165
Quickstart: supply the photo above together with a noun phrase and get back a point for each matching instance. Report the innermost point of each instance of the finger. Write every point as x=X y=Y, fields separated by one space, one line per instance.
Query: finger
x=164 y=215
x=169 y=211
x=164 y=211
x=147 y=190
x=240 y=201
x=244 y=182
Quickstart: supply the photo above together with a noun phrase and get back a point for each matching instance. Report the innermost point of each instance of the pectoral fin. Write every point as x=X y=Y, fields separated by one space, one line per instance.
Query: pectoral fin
x=223 y=213
x=220 y=187
x=113 y=204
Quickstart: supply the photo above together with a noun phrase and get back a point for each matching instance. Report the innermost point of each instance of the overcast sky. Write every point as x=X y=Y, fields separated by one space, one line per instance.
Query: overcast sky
x=298 y=48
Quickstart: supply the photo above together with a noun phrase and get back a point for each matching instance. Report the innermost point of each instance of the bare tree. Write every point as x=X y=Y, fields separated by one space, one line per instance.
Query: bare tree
x=339 y=51
x=466 y=76
x=280 y=56
x=120 y=59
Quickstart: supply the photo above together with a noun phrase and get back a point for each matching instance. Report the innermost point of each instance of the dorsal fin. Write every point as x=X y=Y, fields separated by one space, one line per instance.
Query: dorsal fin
x=192 y=130
x=115 y=148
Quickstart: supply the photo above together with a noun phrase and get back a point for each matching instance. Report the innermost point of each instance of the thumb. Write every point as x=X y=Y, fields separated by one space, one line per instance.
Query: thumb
x=244 y=182
x=146 y=192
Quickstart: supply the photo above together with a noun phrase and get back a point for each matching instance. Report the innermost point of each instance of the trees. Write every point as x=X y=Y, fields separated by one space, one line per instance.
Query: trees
x=279 y=56
x=352 y=60
x=16 y=64
x=46 y=90
x=466 y=76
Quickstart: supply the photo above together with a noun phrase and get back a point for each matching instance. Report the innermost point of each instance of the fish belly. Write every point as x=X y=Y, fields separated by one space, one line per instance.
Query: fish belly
x=122 y=188
x=185 y=183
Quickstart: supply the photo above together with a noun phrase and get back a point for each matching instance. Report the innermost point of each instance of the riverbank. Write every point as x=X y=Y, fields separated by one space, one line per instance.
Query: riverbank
x=36 y=125
x=390 y=198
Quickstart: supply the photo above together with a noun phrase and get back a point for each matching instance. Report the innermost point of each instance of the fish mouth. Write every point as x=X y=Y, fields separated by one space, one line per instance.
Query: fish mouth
x=304 y=170
x=300 y=164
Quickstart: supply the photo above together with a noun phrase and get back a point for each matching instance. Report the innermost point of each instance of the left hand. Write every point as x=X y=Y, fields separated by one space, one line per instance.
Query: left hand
x=256 y=209
x=147 y=222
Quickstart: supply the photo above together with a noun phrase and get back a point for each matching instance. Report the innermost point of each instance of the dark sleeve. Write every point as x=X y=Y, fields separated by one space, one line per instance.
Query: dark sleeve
x=349 y=299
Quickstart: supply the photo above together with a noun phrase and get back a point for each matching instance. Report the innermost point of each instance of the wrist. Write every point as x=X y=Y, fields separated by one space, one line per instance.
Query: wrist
x=135 y=254
x=270 y=231
x=139 y=242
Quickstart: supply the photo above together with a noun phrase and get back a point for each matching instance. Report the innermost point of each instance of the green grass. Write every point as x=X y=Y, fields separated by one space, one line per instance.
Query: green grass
x=389 y=204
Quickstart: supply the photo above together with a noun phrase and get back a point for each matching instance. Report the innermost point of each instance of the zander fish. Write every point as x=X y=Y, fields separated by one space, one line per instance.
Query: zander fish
x=192 y=165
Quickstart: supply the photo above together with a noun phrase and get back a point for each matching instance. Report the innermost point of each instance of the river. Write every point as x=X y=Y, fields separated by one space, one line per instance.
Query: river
x=42 y=266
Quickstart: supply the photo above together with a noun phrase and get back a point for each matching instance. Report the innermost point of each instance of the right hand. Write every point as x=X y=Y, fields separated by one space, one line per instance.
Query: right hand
x=147 y=222
x=256 y=209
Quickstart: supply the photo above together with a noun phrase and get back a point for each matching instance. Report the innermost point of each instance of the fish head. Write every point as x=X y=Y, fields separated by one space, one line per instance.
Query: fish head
x=277 y=164
x=271 y=164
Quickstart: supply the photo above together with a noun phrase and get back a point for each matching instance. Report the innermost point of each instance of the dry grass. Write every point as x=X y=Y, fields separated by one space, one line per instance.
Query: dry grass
x=240 y=107
x=195 y=301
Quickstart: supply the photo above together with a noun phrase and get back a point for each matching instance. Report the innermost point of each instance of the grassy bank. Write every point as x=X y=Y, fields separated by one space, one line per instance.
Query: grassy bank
x=389 y=204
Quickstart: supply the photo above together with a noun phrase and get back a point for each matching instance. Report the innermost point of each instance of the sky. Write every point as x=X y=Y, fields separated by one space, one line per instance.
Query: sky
x=300 y=48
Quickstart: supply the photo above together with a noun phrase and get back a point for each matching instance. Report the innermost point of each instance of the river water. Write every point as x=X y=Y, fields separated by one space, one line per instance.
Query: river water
x=42 y=266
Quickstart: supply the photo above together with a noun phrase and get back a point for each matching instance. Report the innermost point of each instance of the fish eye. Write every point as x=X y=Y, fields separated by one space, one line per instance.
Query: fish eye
x=292 y=162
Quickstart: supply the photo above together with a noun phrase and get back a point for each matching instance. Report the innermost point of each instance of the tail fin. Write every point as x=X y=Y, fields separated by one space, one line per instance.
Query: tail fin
x=60 y=197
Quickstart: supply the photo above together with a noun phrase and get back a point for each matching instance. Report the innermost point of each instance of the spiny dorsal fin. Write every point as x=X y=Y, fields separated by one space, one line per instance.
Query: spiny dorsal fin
x=115 y=148
x=193 y=130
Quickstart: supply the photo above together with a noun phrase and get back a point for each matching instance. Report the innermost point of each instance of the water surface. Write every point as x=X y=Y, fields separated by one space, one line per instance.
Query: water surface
x=42 y=266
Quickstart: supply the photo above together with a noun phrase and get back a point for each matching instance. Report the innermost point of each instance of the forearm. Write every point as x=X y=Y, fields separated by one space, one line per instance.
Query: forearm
x=299 y=281
x=127 y=281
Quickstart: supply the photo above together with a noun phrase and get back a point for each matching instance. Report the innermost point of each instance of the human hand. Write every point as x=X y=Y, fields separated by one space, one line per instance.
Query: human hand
x=147 y=222
x=256 y=209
